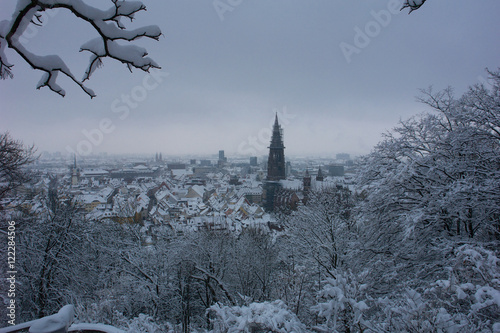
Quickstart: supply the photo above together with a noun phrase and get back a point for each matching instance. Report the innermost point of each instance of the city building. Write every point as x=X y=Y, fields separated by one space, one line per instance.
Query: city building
x=222 y=159
x=336 y=170
x=75 y=173
x=276 y=161
x=275 y=167
x=319 y=176
x=343 y=156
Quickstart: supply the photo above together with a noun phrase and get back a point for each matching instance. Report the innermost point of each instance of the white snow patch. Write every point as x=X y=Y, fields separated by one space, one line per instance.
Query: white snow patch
x=55 y=323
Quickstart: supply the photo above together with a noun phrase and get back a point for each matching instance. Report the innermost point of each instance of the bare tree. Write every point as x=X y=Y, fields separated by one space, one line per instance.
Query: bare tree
x=54 y=259
x=322 y=228
x=13 y=157
x=107 y=24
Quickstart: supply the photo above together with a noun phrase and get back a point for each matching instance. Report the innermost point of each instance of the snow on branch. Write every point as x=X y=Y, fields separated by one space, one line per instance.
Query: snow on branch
x=413 y=4
x=108 y=25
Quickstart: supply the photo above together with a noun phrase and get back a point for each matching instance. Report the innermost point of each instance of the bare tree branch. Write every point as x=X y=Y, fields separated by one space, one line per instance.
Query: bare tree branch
x=13 y=157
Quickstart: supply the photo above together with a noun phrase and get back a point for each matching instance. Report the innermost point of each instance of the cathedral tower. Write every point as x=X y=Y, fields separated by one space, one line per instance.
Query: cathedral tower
x=75 y=174
x=276 y=161
x=275 y=168
x=320 y=176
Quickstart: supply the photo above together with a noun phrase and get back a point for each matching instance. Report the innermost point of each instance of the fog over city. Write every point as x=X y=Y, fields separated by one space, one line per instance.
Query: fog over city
x=338 y=73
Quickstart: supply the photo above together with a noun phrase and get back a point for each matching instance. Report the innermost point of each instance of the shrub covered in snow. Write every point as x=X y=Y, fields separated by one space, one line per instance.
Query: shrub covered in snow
x=257 y=317
x=467 y=301
x=146 y=324
x=103 y=312
x=341 y=304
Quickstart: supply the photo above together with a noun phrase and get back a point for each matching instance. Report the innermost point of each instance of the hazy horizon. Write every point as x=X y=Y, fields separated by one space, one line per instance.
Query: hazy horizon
x=339 y=74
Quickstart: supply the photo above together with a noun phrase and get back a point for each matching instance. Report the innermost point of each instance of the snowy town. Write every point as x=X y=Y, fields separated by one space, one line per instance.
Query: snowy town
x=235 y=166
x=183 y=195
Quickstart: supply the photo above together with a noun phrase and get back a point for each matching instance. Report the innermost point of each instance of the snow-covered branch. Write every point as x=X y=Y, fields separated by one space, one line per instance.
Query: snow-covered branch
x=108 y=25
x=413 y=4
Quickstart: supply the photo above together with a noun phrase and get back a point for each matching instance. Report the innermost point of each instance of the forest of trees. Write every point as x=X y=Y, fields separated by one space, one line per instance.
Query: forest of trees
x=414 y=248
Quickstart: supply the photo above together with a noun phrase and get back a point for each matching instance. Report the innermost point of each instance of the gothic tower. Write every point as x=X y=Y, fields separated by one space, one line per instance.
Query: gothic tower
x=74 y=173
x=320 y=176
x=276 y=161
x=275 y=168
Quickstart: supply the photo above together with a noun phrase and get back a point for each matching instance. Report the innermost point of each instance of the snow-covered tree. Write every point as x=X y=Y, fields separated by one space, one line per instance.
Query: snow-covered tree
x=202 y=262
x=256 y=317
x=321 y=237
x=429 y=216
x=110 y=30
x=14 y=156
x=467 y=299
x=323 y=228
x=256 y=265
x=437 y=175
x=341 y=303
x=54 y=262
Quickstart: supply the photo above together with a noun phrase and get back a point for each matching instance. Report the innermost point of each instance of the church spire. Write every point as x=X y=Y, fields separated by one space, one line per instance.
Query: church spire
x=276 y=161
x=320 y=176
x=74 y=174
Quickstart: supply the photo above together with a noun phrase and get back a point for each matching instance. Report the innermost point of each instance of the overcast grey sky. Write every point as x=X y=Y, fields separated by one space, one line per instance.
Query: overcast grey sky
x=229 y=72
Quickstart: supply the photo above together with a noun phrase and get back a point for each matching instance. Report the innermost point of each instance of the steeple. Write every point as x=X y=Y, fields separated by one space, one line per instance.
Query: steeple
x=74 y=174
x=276 y=161
x=320 y=177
